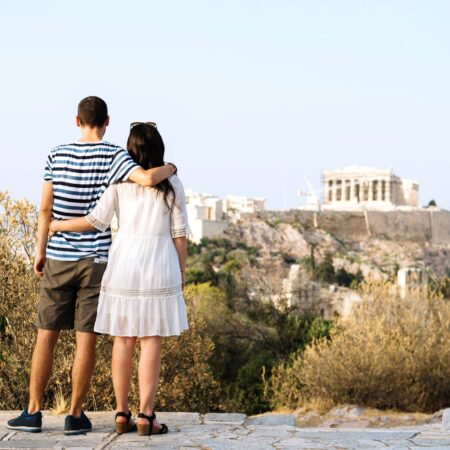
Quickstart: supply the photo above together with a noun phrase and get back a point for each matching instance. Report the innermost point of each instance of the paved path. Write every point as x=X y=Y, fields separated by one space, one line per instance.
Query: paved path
x=222 y=431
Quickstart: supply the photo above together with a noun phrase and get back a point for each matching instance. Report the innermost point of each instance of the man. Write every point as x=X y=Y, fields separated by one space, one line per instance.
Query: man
x=71 y=265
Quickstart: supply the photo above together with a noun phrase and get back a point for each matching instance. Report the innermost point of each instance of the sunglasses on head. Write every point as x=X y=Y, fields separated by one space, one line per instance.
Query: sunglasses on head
x=133 y=124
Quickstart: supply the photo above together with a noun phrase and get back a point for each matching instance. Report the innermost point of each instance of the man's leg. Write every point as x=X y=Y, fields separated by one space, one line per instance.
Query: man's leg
x=41 y=367
x=83 y=366
x=89 y=277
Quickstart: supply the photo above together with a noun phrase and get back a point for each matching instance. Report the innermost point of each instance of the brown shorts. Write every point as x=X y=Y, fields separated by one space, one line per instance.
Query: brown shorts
x=69 y=295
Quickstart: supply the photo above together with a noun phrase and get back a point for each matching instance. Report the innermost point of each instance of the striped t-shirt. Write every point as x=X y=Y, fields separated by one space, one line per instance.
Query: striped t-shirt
x=80 y=173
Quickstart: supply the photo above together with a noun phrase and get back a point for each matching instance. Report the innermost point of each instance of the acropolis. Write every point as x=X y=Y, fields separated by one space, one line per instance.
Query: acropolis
x=368 y=187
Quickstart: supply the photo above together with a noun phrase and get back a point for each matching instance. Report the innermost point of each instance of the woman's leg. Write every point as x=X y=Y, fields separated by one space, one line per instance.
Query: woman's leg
x=122 y=357
x=149 y=364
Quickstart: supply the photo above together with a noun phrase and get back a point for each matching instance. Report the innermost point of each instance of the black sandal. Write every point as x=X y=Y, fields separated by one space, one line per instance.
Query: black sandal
x=124 y=427
x=147 y=429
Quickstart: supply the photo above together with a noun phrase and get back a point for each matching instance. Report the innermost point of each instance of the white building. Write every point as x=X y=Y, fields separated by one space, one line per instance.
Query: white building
x=357 y=187
x=410 y=278
x=204 y=206
x=244 y=204
x=209 y=215
x=205 y=214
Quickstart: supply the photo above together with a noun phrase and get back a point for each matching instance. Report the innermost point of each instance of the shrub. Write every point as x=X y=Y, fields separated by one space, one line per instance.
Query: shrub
x=186 y=382
x=439 y=285
x=391 y=353
x=348 y=279
x=325 y=270
x=250 y=335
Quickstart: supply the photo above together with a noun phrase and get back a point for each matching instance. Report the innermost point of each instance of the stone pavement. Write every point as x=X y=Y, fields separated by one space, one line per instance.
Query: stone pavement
x=223 y=431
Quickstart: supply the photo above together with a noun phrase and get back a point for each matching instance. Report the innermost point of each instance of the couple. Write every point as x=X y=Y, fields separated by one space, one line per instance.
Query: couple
x=138 y=294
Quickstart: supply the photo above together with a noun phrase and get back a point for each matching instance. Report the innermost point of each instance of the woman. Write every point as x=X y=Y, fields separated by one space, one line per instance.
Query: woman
x=141 y=294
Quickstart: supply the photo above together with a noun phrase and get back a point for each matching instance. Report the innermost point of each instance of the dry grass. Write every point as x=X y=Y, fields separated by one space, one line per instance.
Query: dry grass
x=60 y=403
x=186 y=383
x=391 y=353
x=318 y=404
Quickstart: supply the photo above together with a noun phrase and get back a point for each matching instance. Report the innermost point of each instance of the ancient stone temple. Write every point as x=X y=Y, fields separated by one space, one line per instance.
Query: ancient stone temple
x=356 y=186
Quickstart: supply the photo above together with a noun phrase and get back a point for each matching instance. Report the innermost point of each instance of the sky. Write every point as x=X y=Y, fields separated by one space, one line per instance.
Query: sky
x=251 y=96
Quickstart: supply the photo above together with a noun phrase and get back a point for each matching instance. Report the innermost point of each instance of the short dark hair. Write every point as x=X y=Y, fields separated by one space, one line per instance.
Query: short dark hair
x=92 y=112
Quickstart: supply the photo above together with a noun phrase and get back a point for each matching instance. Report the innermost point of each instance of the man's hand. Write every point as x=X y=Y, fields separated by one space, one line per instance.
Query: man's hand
x=45 y=216
x=39 y=264
x=175 y=168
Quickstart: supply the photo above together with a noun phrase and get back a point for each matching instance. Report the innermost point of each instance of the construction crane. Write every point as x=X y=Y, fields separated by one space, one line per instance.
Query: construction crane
x=312 y=196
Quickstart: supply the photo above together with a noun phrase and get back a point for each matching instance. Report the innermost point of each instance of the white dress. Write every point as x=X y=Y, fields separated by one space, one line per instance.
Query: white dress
x=141 y=292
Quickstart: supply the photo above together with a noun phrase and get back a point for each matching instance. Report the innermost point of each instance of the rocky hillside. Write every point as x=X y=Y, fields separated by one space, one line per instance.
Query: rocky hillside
x=284 y=240
x=376 y=257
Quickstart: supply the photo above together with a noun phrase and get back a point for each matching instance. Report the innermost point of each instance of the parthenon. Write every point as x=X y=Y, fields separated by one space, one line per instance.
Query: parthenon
x=357 y=186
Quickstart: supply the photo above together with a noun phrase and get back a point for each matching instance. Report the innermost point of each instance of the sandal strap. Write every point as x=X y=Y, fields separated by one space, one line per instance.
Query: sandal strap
x=149 y=418
x=122 y=414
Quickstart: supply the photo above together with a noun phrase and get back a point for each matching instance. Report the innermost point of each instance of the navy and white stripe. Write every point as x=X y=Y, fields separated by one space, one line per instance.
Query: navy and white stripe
x=80 y=173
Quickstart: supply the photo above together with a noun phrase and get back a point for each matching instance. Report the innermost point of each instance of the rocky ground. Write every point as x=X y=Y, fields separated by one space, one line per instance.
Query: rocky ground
x=354 y=416
x=229 y=431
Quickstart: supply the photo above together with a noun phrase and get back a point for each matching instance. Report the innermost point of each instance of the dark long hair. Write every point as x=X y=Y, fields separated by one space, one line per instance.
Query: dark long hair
x=146 y=147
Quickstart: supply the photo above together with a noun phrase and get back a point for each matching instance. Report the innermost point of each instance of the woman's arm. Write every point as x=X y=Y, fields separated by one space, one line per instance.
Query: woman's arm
x=181 y=246
x=179 y=227
x=98 y=219
x=80 y=224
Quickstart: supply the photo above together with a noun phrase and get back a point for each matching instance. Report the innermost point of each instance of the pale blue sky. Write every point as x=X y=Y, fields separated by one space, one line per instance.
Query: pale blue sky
x=250 y=96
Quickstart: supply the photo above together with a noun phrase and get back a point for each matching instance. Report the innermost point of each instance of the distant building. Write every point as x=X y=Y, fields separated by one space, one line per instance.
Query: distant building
x=209 y=215
x=356 y=187
x=205 y=214
x=411 y=278
x=204 y=206
x=244 y=204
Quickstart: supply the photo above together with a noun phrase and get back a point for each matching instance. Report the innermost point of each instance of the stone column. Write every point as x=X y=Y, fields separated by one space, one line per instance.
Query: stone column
x=340 y=187
x=370 y=182
x=388 y=191
x=379 y=191
x=352 y=191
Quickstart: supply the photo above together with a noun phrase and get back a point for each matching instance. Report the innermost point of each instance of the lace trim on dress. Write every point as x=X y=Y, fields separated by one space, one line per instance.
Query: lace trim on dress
x=98 y=224
x=153 y=292
x=178 y=232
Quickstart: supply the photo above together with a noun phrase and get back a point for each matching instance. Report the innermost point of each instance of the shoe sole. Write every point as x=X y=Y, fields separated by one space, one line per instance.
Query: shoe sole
x=72 y=432
x=26 y=429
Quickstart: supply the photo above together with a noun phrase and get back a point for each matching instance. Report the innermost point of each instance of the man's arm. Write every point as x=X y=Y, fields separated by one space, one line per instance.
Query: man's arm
x=45 y=216
x=152 y=177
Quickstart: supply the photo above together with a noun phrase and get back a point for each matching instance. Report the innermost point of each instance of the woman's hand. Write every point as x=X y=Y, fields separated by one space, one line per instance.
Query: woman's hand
x=183 y=279
x=53 y=228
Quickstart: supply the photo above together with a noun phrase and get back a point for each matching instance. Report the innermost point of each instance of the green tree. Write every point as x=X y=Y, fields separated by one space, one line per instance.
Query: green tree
x=325 y=270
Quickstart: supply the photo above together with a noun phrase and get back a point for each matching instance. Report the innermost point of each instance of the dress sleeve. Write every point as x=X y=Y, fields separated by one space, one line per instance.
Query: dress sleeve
x=101 y=216
x=121 y=167
x=179 y=225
